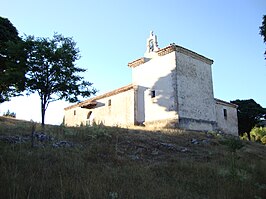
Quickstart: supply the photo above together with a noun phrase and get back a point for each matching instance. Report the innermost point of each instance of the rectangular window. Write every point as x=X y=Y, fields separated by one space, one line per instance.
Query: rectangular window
x=225 y=114
x=109 y=102
x=152 y=93
x=74 y=112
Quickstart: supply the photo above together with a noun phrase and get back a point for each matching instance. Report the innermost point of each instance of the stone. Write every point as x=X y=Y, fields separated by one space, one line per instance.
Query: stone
x=40 y=136
x=15 y=139
x=194 y=141
x=63 y=143
x=205 y=141
x=184 y=149
x=155 y=152
x=134 y=157
x=168 y=146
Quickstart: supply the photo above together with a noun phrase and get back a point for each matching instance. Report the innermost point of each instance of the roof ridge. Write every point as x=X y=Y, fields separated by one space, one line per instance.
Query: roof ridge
x=108 y=94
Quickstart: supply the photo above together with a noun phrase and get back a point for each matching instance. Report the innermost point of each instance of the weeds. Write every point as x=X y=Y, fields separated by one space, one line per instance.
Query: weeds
x=233 y=143
x=103 y=169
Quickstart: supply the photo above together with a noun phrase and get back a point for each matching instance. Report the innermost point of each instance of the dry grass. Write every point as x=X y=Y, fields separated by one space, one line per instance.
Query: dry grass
x=113 y=163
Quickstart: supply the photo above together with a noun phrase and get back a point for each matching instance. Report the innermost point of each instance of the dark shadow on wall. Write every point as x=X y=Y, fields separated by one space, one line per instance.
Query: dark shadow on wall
x=163 y=93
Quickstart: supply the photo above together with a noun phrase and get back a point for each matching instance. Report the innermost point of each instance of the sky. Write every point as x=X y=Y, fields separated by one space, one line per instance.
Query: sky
x=112 y=33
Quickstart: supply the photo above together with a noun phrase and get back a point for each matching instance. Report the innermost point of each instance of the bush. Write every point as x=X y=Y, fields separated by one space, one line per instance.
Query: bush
x=244 y=137
x=10 y=114
x=233 y=143
x=258 y=134
x=263 y=140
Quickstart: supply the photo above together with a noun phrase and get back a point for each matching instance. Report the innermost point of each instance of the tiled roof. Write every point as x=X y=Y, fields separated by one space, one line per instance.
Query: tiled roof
x=136 y=62
x=169 y=49
x=218 y=101
x=180 y=49
x=91 y=102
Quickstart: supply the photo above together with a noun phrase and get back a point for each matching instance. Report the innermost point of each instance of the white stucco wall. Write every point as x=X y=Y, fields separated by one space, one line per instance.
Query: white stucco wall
x=227 y=124
x=156 y=75
x=196 y=105
x=75 y=116
x=119 y=113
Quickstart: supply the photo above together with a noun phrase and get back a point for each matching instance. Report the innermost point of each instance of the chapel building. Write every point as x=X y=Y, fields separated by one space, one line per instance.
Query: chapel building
x=171 y=87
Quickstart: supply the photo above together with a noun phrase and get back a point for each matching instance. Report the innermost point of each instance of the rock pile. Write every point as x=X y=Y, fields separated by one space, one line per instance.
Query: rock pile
x=15 y=139
x=42 y=137
x=39 y=139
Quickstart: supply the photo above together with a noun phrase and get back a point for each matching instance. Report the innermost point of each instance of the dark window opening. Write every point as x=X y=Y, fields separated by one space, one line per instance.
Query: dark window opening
x=151 y=46
x=89 y=114
x=74 y=112
x=225 y=114
x=109 y=102
x=152 y=94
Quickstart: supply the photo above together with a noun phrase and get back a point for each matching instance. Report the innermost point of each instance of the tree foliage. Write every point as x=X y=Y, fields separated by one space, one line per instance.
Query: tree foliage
x=249 y=115
x=263 y=30
x=7 y=31
x=12 y=61
x=258 y=134
x=52 y=72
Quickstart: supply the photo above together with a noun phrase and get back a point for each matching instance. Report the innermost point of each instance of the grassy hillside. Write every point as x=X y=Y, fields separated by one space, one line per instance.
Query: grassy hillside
x=105 y=162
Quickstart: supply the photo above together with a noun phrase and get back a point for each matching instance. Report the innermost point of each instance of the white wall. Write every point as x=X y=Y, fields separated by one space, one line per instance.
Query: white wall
x=75 y=116
x=196 y=105
x=119 y=113
x=227 y=124
x=156 y=74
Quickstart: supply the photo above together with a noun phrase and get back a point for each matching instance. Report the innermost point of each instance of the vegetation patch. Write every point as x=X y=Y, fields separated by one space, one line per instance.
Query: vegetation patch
x=122 y=163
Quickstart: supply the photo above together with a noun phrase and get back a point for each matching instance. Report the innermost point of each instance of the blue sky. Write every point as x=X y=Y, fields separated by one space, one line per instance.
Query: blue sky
x=111 y=33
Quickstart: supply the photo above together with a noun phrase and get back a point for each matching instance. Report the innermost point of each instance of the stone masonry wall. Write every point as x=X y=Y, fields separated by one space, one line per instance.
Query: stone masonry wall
x=196 y=105
x=227 y=119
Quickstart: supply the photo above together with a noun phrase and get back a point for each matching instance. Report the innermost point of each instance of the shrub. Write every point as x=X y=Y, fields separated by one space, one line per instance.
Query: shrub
x=258 y=134
x=244 y=137
x=263 y=140
x=10 y=114
x=233 y=143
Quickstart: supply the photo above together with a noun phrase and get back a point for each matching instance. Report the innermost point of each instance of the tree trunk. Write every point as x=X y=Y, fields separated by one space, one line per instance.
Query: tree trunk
x=43 y=111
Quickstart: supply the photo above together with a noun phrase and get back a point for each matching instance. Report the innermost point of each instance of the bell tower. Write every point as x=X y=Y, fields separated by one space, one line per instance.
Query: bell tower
x=151 y=45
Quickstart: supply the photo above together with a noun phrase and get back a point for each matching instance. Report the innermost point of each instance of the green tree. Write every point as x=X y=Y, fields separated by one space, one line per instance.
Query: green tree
x=263 y=30
x=52 y=72
x=249 y=115
x=12 y=61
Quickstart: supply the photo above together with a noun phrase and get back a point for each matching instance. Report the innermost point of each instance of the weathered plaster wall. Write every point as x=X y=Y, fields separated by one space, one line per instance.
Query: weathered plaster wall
x=156 y=74
x=228 y=124
x=119 y=113
x=75 y=116
x=196 y=105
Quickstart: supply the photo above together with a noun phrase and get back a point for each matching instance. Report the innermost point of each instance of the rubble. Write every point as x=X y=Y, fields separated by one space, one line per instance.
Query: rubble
x=15 y=139
x=141 y=148
x=39 y=139
x=42 y=137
